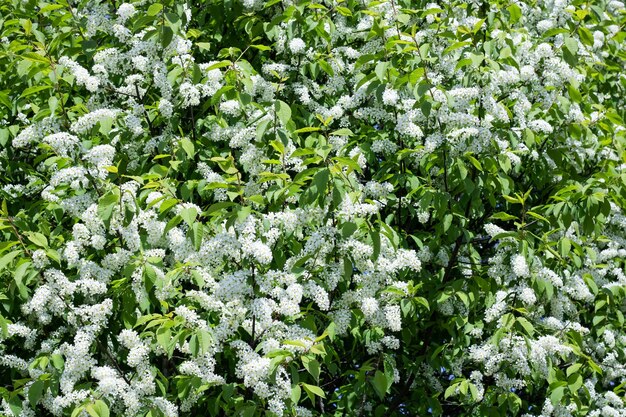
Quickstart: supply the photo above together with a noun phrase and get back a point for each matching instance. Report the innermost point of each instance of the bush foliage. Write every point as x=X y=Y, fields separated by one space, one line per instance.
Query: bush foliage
x=312 y=207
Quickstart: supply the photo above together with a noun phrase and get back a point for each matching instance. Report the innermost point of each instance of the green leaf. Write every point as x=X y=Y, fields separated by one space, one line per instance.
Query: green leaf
x=298 y=343
x=342 y=132
x=167 y=204
x=503 y=216
x=554 y=31
x=348 y=229
x=91 y=410
x=614 y=117
x=261 y=129
x=220 y=206
x=379 y=382
x=463 y=63
x=556 y=395
x=344 y=11
x=326 y=67
x=18 y=276
x=477 y=59
x=478 y=25
x=105 y=124
x=198 y=231
x=102 y=409
x=573 y=369
x=475 y=162
x=35 y=392
x=574 y=94
x=6 y=259
x=4 y=327
x=389 y=367
x=278 y=146
x=585 y=36
x=189 y=215
x=76 y=412
x=106 y=204
x=204 y=339
x=451 y=390
x=154 y=9
x=261 y=47
x=574 y=382
x=34 y=89
x=188 y=147
x=35 y=57
x=313 y=390
x=515 y=13
x=343 y=162
x=221 y=64
x=38 y=239
x=375 y=236
x=381 y=71
x=163 y=337
x=296 y=392
x=150 y=276
x=447 y=222
x=27 y=25
x=283 y=111
x=416 y=75
x=307 y=129
x=249 y=411
x=537 y=216
x=318 y=349
x=167 y=34
x=463 y=387
x=320 y=180
x=6 y=100
x=571 y=44
x=566 y=245
x=474 y=392
x=57 y=361
x=512 y=200
x=456 y=46
x=594 y=366
x=526 y=325
x=312 y=366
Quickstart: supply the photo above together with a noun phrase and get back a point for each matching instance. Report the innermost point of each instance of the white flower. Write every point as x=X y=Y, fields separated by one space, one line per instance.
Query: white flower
x=63 y=143
x=82 y=75
x=189 y=94
x=390 y=96
x=40 y=258
x=540 y=126
x=527 y=296
x=165 y=108
x=297 y=45
x=519 y=266
x=394 y=319
x=230 y=107
x=100 y=156
x=407 y=259
x=125 y=11
x=384 y=146
x=369 y=306
x=88 y=121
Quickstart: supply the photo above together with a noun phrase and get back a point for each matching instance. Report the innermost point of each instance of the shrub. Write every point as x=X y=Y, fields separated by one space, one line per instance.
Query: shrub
x=312 y=208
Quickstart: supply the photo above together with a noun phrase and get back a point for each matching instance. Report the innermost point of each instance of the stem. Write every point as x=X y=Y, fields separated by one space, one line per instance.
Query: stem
x=445 y=171
x=147 y=117
x=17 y=233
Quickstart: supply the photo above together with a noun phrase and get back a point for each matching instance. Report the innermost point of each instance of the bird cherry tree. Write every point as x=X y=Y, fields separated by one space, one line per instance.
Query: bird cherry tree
x=312 y=207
